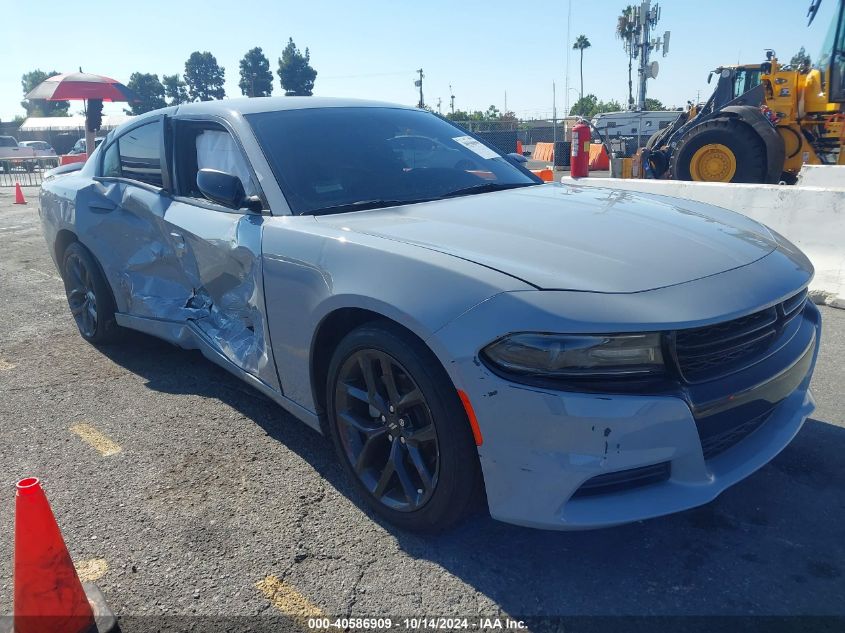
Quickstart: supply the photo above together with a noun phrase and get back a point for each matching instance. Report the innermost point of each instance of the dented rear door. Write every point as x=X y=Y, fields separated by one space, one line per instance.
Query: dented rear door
x=121 y=220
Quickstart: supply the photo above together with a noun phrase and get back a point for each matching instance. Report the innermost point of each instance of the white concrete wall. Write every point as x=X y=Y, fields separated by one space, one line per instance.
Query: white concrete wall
x=811 y=217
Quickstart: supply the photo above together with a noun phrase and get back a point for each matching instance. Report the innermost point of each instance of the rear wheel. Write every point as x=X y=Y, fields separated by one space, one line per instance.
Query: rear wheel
x=400 y=430
x=88 y=295
x=720 y=150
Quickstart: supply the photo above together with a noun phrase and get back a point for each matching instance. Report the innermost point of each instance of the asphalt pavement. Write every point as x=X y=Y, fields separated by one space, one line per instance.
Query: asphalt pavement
x=183 y=492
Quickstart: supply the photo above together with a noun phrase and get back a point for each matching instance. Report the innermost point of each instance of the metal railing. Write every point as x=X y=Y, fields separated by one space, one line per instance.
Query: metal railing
x=29 y=172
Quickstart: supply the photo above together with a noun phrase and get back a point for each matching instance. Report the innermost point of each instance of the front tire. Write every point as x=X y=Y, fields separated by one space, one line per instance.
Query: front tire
x=400 y=430
x=720 y=150
x=89 y=296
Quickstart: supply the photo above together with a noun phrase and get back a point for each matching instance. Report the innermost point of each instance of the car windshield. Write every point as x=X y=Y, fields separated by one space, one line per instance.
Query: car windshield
x=331 y=160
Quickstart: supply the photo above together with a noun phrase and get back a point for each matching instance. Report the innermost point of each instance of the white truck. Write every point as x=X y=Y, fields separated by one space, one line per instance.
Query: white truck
x=12 y=155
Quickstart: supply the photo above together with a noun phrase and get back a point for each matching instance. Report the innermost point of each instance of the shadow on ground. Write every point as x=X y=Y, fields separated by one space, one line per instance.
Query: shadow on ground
x=772 y=545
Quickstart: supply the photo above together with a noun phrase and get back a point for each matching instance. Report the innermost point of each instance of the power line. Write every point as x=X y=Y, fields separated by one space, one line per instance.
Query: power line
x=394 y=74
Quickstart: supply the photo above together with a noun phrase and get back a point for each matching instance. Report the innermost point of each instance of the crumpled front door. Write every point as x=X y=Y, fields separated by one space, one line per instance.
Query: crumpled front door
x=221 y=255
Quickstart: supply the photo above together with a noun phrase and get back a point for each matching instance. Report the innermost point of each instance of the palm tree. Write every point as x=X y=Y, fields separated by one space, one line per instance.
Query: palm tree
x=626 y=28
x=580 y=44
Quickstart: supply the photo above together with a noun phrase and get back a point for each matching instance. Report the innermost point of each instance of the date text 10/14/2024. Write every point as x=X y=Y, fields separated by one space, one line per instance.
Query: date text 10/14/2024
x=417 y=624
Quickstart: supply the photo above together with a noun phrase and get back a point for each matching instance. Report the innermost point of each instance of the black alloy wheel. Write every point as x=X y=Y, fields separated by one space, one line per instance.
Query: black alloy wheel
x=387 y=430
x=400 y=430
x=88 y=295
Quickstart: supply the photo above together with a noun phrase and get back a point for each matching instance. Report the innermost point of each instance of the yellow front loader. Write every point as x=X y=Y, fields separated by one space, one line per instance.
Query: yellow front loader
x=762 y=122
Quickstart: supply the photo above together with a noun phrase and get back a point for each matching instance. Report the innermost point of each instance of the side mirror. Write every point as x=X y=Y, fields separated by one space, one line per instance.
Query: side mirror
x=517 y=158
x=226 y=189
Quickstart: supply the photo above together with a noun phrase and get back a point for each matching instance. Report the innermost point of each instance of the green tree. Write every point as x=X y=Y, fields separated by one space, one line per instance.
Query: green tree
x=587 y=106
x=458 y=115
x=175 y=89
x=295 y=71
x=654 y=104
x=204 y=77
x=256 y=78
x=801 y=59
x=41 y=107
x=626 y=28
x=581 y=44
x=150 y=91
x=610 y=106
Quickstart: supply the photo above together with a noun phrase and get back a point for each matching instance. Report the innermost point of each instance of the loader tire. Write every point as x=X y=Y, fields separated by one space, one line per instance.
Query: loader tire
x=720 y=150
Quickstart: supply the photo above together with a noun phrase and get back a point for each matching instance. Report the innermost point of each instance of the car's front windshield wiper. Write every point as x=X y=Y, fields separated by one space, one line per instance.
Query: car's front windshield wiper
x=486 y=187
x=362 y=205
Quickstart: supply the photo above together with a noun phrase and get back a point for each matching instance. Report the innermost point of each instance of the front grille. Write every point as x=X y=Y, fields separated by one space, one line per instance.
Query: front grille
x=716 y=443
x=712 y=351
x=623 y=480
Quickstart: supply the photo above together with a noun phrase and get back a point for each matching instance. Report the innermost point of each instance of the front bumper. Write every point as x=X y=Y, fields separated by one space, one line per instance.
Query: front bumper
x=541 y=446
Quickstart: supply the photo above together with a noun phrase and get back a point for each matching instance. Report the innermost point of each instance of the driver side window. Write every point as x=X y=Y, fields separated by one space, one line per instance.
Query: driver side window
x=208 y=146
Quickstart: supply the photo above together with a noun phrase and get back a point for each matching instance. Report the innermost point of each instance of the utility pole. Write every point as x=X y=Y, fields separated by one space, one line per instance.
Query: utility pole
x=568 y=49
x=418 y=84
x=506 y=102
x=554 y=114
x=451 y=99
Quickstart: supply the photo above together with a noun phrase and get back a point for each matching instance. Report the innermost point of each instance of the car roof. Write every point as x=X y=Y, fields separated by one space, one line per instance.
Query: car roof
x=255 y=105
x=228 y=108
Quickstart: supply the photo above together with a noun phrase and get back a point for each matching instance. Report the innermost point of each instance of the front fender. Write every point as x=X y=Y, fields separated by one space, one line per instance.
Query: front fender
x=311 y=270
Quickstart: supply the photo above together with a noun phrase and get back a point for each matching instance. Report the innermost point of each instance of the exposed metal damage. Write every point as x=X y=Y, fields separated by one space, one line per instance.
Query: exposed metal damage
x=206 y=272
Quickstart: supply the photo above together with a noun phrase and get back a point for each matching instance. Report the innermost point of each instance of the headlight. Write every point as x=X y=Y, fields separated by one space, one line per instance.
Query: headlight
x=565 y=356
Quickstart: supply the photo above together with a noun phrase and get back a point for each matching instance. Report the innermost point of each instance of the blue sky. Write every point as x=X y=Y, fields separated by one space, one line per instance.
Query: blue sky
x=371 y=48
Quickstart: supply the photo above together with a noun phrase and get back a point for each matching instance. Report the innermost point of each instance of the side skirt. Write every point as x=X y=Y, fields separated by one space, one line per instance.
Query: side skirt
x=186 y=336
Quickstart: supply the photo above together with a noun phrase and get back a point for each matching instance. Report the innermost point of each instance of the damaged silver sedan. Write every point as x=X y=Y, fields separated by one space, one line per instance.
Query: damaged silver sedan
x=577 y=357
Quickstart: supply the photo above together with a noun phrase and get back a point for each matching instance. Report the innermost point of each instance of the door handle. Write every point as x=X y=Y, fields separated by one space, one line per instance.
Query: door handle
x=178 y=243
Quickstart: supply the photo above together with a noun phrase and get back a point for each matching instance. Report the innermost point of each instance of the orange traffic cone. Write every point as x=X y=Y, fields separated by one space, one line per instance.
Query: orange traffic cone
x=518 y=146
x=19 y=199
x=48 y=594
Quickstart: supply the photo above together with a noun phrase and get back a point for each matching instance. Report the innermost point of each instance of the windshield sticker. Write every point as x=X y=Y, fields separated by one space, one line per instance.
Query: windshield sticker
x=475 y=146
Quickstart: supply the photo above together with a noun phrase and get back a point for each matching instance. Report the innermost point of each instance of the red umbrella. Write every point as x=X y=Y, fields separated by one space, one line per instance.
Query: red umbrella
x=83 y=86
x=73 y=86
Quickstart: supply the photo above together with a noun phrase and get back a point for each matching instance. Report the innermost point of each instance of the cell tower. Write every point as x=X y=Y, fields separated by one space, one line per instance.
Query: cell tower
x=646 y=18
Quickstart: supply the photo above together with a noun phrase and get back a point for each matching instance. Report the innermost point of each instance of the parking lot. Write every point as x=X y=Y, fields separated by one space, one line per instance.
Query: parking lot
x=183 y=492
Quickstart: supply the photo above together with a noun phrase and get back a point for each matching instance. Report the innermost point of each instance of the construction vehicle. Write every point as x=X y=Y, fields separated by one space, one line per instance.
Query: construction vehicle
x=762 y=122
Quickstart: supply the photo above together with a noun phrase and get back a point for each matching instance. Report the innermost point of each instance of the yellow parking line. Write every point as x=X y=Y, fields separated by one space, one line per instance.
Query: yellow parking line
x=289 y=601
x=104 y=445
x=6 y=365
x=92 y=569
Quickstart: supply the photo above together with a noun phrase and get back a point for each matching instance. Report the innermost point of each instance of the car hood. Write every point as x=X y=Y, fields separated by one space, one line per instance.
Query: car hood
x=566 y=237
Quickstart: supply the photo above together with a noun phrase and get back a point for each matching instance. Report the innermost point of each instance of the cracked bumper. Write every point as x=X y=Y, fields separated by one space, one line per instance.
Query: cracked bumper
x=569 y=439
x=540 y=446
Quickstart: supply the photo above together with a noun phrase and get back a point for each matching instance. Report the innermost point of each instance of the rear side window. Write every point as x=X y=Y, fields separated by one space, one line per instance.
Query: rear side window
x=140 y=154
